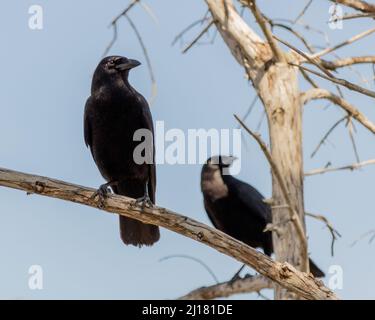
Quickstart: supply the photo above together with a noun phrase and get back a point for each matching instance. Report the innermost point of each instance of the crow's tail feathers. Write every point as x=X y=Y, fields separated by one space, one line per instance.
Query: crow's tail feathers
x=134 y=232
x=138 y=233
x=315 y=270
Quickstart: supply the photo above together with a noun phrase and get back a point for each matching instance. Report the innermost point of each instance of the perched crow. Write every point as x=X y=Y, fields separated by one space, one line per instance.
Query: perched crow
x=113 y=112
x=237 y=208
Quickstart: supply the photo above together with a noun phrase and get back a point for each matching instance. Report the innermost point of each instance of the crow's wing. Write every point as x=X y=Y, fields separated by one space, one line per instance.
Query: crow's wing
x=212 y=215
x=250 y=197
x=148 y=124
x=86 y=124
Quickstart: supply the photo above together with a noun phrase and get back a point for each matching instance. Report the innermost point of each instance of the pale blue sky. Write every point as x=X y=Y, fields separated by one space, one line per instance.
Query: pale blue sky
x=45 y=81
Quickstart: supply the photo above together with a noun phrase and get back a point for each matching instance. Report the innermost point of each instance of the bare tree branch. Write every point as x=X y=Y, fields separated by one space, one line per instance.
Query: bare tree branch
x=344 y=43
x=283 y=274
x=352 y=167
x=317 y=93
x=308 y=46
x=358 y=15
x=278 y=53
x=357 y=5
x=180 y=35
x=340 y=63
x=314 y=61
x=147 y=57
x=226 y=289
x=305 y=8
x=325 y=137
x=341 y=82
x=113 y=24
x=351 y=129
x=196 y=39
x=332 y=230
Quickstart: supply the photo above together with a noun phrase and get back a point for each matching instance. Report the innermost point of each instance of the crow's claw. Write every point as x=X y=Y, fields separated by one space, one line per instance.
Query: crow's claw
x=101 y=193
x=144 y=202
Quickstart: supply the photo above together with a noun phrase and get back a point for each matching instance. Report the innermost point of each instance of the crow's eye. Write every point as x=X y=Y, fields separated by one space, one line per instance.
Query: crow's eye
x=110 y=64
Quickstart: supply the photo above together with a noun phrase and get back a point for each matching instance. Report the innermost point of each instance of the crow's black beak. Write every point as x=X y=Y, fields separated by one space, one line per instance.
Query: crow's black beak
x=130 y=64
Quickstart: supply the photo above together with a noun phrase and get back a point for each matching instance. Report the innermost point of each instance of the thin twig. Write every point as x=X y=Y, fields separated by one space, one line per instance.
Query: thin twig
x=196 y=39
x=349 y=125
x=184 y=256
x=351 y=167
x=358 y=15
x=365 y=235
x=306 y=7
x=278 y=53
x=341 y=82
x=344 y=43
x=332 y=230
x=113 y=24
x=180 y=35
x=149 y=11
x=294 y=32
x=251 y=107
x=308 y=78
x=315 y=62
x=148 y=61
x=113 y=40
x=318 y=93
x=325 y=137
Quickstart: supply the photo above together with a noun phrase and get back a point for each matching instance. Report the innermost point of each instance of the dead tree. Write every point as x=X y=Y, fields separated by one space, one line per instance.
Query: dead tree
x=272 y=72
x=272 y=66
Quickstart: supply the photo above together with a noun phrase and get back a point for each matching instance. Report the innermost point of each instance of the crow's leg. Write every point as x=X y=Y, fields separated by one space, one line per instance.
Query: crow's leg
x=145 y=201
x=102 y=192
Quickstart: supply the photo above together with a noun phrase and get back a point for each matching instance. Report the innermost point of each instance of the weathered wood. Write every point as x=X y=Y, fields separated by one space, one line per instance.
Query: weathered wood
x=282 y=273
x=276 y=84
x=226 y=289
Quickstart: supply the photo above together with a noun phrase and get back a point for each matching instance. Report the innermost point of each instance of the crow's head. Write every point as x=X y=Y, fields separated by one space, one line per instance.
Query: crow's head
x=113 y=68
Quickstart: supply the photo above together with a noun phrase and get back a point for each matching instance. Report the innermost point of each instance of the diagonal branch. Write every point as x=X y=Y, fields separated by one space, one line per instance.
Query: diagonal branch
x=293 y=214
x=317 y=93
x=344 y=62
x=357 y=5
x=341 y=82
x=200 y=35
x=325 y=137
x=283 y=274
x=278 y=53
x=226 y=289
x=344 y=43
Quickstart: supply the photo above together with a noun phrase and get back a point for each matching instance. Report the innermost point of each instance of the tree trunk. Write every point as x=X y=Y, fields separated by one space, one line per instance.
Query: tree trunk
x=277 y=86
x=279 y=92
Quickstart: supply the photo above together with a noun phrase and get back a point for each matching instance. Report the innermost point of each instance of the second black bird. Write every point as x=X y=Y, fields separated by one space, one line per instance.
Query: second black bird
x=237 y=208
x=113 y=113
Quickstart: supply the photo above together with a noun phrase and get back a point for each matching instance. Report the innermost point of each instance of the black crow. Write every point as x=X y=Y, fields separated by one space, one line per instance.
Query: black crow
x=237 y=208
x=113 y=112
